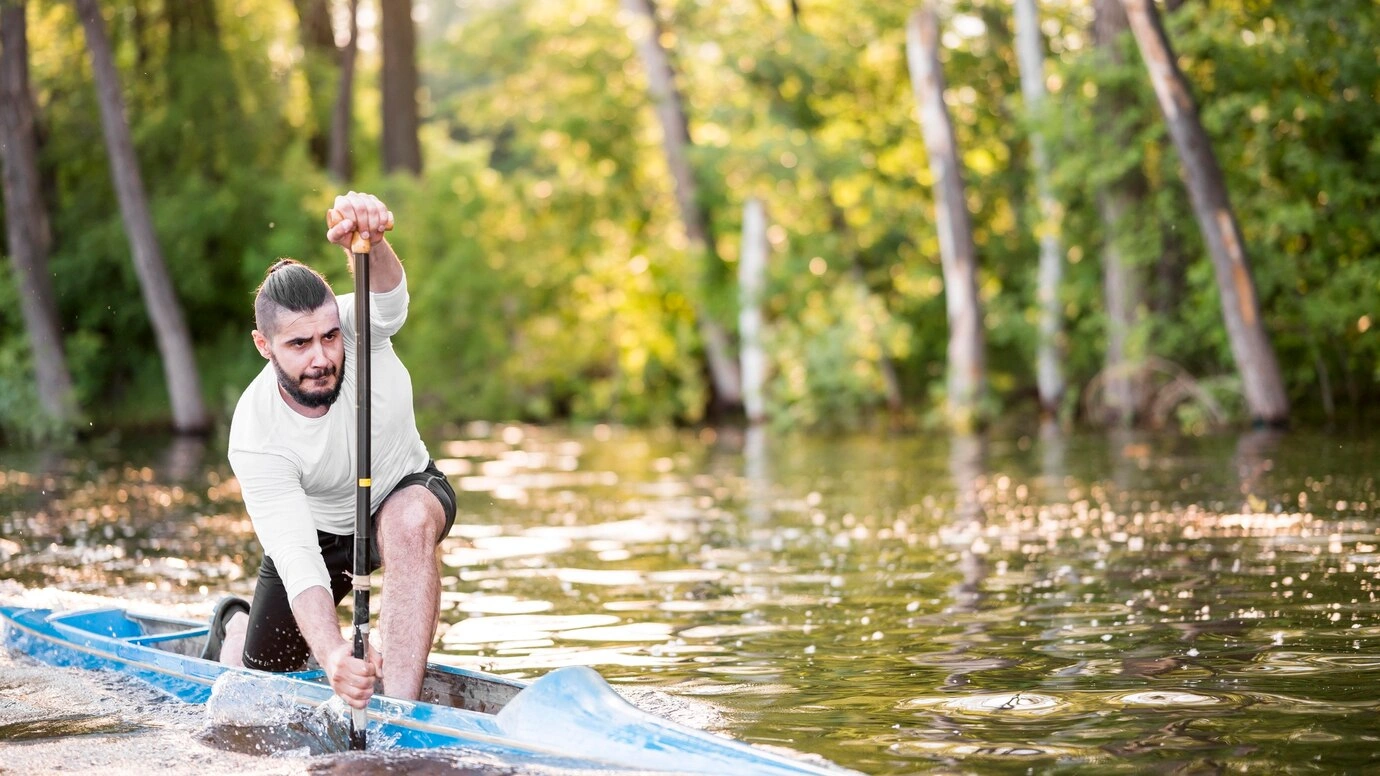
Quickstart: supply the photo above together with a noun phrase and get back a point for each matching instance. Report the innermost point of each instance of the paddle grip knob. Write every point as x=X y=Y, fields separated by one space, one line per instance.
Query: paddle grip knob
x=357 y=244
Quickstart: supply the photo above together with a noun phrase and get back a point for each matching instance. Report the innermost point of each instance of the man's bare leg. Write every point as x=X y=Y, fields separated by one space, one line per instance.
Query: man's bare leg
x=409 y=525
x=232 y=647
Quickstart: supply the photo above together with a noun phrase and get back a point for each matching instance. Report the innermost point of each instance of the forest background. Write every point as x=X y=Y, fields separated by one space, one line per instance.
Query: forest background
x=555 y=275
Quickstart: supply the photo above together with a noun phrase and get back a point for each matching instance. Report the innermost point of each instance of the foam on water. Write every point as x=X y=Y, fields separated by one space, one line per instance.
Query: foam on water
x=70 y=720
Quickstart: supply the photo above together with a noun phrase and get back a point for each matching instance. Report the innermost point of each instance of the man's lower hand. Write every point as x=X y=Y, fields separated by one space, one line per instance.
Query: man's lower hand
x=351 y=678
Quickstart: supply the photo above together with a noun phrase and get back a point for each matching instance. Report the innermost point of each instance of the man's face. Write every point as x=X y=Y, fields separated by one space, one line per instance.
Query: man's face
x=308 y=353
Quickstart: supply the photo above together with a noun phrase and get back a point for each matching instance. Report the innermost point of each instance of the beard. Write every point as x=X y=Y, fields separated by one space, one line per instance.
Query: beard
x=308 y=398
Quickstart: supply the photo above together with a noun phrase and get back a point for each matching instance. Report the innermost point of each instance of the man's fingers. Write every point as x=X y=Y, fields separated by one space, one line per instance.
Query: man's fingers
x=355 y=683
x=340 y=231
x=366 y=214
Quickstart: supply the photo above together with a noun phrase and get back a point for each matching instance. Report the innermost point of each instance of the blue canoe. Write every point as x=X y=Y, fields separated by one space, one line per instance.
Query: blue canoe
x=569 y=716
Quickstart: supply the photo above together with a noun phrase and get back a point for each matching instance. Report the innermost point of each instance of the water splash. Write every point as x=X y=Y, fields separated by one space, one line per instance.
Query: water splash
x=242 y=716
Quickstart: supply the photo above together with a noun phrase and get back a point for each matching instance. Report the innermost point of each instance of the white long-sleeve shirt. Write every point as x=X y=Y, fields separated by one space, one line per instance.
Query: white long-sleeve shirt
x=297 y=474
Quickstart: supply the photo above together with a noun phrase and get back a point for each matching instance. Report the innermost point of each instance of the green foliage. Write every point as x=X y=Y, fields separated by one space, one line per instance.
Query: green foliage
x=549 y=272
x=1281 y=90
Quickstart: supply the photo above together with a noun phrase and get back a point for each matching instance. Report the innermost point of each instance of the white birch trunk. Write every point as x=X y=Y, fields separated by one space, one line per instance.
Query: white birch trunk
x=1049 y=350
x=966 y=361
x=752 y=271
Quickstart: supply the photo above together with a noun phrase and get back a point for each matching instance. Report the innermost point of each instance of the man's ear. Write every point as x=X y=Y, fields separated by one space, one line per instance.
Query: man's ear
x=262 y=344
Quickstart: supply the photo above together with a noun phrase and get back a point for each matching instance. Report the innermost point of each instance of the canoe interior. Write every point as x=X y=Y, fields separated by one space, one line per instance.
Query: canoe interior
x=441 y=685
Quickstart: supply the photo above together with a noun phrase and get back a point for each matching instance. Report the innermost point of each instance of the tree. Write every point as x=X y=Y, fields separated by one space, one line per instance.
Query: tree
x=321 y=59
x=169 y=326
x=966 y=368
x=1250 y=343
x=339 y=162
x=401 y=149
x=26 y=221
x=1116 y=201
x=752 y=271
x=675 y=139
x=1049 y=372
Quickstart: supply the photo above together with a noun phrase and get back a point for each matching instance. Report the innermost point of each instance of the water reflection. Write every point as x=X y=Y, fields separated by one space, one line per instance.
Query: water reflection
x=1129 y=602
x=967 y=461
x=1053 y=460
x=183 y=459
x=1254 y=459
x=757 y=473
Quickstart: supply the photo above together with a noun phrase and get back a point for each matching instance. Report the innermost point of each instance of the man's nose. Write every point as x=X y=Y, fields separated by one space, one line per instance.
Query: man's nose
x=319 y=357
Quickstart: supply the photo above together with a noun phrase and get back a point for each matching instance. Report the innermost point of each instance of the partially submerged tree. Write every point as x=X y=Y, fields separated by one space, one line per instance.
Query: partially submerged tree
x=27 y=233
x=966 y=368
x=752 y=271
x=1250 y=343
x=1049 y=370
x=169 y=326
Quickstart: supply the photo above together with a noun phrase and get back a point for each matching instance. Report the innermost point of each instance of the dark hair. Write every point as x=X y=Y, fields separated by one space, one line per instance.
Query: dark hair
x=289 y=285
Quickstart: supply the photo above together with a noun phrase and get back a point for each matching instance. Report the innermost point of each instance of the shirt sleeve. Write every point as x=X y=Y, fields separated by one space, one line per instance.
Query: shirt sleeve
x=387 y=313
x=271 y=486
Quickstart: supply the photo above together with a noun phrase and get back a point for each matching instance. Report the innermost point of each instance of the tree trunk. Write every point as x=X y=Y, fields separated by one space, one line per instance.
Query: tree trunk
x=1119 y=402
x=26 y=222
x=340 y=165
x=675 y=140
x=1122 y=288
x=401 y=149
x=752 y=270
x=966 y=361
x=1049 y=349
x=169 y=327
x=320 y=62
x=1250 y=344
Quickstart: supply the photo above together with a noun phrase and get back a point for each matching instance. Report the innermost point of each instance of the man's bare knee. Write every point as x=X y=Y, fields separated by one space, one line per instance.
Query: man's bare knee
x=410 y=523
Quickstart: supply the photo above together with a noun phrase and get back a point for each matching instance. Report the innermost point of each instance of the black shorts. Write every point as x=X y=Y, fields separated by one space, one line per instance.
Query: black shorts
x=274 y=643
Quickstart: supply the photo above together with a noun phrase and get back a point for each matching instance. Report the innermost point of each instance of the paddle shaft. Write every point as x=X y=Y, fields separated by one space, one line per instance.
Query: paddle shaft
x=358 y=719
x=360 y=248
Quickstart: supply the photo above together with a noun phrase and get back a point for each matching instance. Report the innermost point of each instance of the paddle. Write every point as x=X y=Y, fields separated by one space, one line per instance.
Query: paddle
x=359 y=246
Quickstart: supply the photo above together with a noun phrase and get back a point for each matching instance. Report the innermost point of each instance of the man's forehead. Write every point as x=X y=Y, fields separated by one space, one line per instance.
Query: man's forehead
x=295 y=325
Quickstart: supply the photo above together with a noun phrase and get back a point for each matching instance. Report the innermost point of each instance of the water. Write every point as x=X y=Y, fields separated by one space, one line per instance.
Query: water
x=1015 y=604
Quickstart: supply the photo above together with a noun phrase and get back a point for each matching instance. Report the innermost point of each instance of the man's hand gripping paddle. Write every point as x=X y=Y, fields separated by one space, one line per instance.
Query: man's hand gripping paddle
x=360 y=247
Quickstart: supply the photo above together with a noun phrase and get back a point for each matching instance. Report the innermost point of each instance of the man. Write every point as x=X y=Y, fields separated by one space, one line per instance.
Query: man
x=292 y=446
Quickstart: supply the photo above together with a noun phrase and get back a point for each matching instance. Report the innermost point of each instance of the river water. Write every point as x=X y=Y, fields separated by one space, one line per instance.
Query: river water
x=903 y=604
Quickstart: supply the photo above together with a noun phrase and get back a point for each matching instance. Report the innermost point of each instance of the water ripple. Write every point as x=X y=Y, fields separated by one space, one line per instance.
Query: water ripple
x=994 y=703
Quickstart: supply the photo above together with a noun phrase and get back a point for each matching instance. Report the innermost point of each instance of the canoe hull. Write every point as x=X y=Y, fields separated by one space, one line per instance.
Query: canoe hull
x=570 y=717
